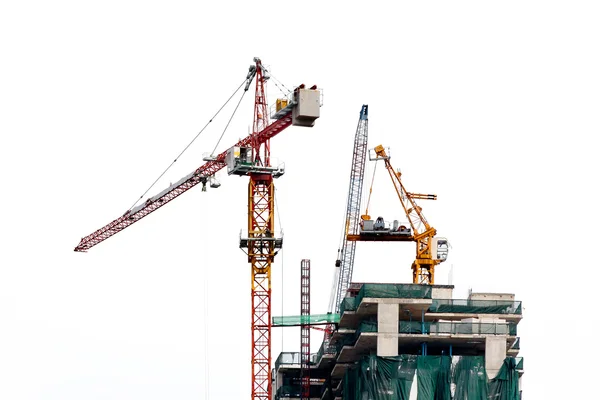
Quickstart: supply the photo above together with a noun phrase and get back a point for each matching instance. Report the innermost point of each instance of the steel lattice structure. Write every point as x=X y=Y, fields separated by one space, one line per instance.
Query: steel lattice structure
x=352 y=223
x=261 y=247
x=305 y=328
x=261 y=254
x=261 y=243
x=200 y=175
x=423 y=234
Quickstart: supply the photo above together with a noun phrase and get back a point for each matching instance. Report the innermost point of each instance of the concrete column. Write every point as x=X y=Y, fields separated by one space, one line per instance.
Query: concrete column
x=387 y=329
x=495 y=353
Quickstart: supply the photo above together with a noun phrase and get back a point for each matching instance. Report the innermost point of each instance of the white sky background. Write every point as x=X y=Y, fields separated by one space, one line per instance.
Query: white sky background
x=493 y=107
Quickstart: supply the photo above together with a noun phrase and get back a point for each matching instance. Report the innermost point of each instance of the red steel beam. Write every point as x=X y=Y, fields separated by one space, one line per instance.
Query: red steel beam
x=152 y=204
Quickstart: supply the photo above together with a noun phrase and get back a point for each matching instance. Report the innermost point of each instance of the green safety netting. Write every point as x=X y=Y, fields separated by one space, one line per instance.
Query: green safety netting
x=519 y=361
x=367 y=326
x=390 y=290
x=316 y=319
x=456 y=328
x=437 y=378
x=352 y=385
x=380 y=378
x=432 y=328
x=433 y=377
x=470 y=379
x=475 y=306
x=348 y=304
x=505 y=386
x=346 y=340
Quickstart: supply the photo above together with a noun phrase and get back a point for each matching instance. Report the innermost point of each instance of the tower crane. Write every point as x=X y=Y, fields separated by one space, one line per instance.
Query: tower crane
x=431 y=250
x=345 y=261
x=250 y=156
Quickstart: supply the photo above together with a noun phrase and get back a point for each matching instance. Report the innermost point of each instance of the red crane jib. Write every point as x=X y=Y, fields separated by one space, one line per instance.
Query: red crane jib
x=206 y=170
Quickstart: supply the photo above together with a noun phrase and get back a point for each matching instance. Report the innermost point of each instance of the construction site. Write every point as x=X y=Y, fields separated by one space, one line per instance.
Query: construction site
x=404 y=340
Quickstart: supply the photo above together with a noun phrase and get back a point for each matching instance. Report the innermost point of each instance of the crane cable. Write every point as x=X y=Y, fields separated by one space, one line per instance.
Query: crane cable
x=206 y=357
x=286 y=92
x=228 y=122
x=371 y=190
x=342 y=240
x=336 y=271
x=189 y=144
x=282 y=268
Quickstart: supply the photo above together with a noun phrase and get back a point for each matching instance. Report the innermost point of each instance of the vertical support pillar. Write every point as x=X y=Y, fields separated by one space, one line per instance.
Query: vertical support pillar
x=495 y=353
x=424 y=344
x=261 y=252
x=305 y=328
x=387 y=329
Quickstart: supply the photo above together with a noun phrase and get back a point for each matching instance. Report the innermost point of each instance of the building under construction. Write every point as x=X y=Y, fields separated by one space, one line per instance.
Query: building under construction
x=404 y=341
x=382 y=341
x=400 y=341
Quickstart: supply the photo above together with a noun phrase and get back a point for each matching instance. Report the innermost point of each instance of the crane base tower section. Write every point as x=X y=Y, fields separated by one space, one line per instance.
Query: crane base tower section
x=406 y=341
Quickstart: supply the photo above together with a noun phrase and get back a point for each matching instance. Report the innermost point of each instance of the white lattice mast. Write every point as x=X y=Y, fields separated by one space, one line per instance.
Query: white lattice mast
x=345 y=261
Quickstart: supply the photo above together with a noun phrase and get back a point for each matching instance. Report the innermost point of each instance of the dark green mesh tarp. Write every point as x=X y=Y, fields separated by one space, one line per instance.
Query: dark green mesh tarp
x=405 y=374
x=433 y=377
x=390 y=290
x=505 y=386
x=380 y=378
x=470 y=379
x=348 y=304
x=367 y=326
x=391 y=378
x=456 y=328
x=346 y=340
x=475 y=306
x=352 y=385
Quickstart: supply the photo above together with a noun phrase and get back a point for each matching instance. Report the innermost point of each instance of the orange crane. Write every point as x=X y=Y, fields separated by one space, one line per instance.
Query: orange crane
x=250 y=156
x=431 y=250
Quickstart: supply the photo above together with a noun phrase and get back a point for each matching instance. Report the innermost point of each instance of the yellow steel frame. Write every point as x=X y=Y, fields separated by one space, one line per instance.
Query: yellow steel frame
x=424 y=265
